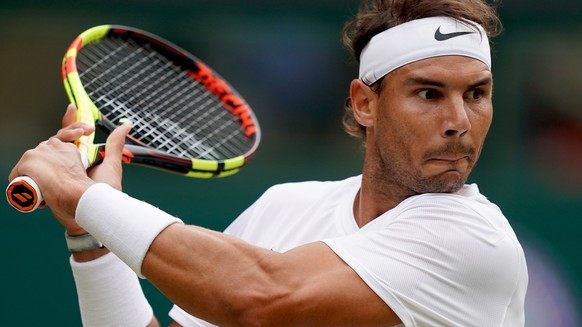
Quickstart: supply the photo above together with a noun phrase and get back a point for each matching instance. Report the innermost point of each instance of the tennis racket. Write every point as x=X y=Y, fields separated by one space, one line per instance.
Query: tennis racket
x=186 y=118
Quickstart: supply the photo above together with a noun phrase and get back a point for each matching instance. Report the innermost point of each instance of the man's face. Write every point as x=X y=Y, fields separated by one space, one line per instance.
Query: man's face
x=430 y=123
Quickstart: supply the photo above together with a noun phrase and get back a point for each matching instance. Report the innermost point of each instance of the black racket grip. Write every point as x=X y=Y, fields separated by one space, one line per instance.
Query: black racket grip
x=24 y=194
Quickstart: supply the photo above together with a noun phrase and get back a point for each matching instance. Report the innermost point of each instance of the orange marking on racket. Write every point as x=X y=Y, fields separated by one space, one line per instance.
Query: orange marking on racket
x=77 y=43
x=234 y=103
x=22 y=196
x=70 y=65
x=126 y=156
x=23 y=201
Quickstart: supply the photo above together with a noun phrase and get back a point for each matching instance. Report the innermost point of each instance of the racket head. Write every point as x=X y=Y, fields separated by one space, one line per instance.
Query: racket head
x=184 y=114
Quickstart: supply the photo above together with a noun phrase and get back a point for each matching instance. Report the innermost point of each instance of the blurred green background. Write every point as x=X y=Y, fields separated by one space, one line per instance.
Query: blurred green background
x=285 y=57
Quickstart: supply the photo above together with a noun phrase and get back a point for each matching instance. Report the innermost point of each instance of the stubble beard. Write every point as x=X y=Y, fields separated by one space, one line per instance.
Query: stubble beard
x=410 y=181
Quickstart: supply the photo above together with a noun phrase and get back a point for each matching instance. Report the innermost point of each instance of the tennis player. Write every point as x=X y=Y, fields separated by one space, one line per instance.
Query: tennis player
x=407 y=242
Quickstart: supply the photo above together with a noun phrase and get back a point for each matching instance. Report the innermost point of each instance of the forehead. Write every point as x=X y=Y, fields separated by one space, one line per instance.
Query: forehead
x=446 y=68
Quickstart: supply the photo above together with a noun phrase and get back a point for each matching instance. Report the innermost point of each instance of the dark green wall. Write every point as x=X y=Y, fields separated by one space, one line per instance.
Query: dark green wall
x=286 y=59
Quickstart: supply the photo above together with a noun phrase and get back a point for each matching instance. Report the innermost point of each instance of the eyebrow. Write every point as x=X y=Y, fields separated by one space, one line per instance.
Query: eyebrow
x=485 y=81
x=422 y=81
x=429 y=82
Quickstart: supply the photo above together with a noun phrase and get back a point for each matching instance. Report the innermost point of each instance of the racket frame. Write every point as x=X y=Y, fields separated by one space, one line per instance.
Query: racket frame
x=136 y=152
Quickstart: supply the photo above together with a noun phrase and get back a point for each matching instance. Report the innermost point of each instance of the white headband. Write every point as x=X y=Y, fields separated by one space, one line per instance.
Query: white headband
x=421 y=39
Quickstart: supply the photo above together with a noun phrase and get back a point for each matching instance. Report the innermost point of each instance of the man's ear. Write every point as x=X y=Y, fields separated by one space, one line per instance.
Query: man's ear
x=364 y=103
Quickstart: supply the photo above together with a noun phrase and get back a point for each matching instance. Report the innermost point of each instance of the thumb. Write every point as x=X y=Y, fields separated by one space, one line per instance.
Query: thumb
x=110 y=170
x=115 y=143
x=70 y=116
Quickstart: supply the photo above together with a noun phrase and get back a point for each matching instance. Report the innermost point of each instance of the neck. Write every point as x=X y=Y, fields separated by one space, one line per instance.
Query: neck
x=378 y=194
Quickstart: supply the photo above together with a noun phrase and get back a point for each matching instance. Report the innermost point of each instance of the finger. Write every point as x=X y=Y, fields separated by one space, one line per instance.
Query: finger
x=71 y=128
x=115 y=143
x=70 y=134
x=70 y=116
x=73 y=132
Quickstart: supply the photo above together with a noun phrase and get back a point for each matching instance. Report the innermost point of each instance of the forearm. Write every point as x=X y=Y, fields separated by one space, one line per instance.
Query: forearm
x=229 y=282
x=192 y=267
x=214 y=276
x=126 y=226
x=174 y=276
x=109 y=293
x=87 y=256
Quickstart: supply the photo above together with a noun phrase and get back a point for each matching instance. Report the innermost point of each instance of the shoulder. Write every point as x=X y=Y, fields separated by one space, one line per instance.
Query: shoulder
x=447 y=246
x=310 y=190
x=299 y=206
x=316 y=186
x=466 y=209
x=455 y=230
x=449 y=230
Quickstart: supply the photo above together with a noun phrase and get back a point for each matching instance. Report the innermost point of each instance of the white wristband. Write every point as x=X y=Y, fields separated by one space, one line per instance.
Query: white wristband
x=110 y=293
x=126 y=226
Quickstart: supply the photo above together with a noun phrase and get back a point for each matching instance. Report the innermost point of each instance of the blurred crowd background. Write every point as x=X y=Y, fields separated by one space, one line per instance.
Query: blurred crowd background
x=286 y=59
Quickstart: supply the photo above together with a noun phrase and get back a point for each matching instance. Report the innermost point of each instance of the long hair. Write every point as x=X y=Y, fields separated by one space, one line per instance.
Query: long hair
x=376 y=16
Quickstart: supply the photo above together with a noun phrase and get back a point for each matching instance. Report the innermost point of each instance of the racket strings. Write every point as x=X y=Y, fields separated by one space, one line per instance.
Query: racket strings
x=158 y=137
x=169 y=110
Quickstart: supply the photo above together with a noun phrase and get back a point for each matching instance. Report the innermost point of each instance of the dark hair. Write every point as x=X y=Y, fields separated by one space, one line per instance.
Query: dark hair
x=376 y=16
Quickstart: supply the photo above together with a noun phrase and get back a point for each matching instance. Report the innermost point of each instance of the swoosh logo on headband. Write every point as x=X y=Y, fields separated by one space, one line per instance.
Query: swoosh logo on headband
x=443 y=37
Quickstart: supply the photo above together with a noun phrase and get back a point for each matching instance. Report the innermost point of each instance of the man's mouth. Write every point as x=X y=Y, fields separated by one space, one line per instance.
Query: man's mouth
x=451 y=158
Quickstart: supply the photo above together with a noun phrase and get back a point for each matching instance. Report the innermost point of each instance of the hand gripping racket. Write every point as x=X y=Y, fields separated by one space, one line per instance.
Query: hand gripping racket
x=186 y=119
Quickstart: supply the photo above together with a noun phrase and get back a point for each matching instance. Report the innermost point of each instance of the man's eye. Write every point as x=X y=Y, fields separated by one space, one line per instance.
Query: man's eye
x=476 y=94
x=429 y=94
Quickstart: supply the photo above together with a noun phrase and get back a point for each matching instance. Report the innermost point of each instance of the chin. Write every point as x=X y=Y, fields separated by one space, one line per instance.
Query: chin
x=448 y=183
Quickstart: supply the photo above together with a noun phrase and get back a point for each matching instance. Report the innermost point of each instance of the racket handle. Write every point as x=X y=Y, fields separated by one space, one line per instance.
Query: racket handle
x=24 y=194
